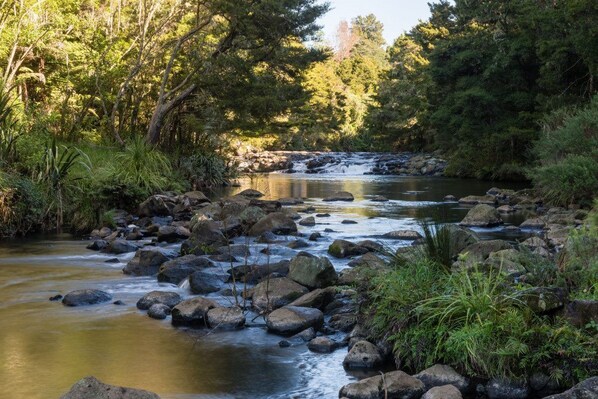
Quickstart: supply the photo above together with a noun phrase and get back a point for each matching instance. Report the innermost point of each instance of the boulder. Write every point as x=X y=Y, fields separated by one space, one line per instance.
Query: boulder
x=292 y=319
x=580 y=312
x=312 y=272
x=544 y=299
x=172 y=233
x=363 y=355
x=207 y=281
x=396 y=384
x=461 y=238
x=277 y=223
x=97 y=245
x=119 y=246
x=322 y=345
x=318 y=298
x=443 y=392
x=205 y=238
x=176 y=270
x=533 y=223
x=290 y=201
x=226 y=318
x=499 y=388
x=276 y=292
x=308 y=221
x=85 y=297
x=159 y=311
x=440 y=375
x=147 y=261
x=368 y=260
x=344 y=249
x=251 y=216
x=477 y=253
x=449 y=198
x=92 y=388
x=340 y=196
x=505 y=260
x=482 y=216
x=157 y=205
x=379 y=198
x=403 y=235
x=196 y=198
x=192 y=312
x=170 y=299
x=254 y=273
x=478 y=199
x=250 y=193
x=506 y=209
x=587 y=389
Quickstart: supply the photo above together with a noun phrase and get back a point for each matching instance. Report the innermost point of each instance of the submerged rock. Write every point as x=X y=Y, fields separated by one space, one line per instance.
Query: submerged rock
x=344 y=249
x=159 y=311
x=322 y=345
x=92 y=388
x=86 y=297
x=340 y=196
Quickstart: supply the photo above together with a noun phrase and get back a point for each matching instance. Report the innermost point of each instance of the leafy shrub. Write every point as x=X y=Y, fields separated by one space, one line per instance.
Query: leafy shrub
x=206 y=170
x=567 y=154
x=21 y=205
x=140 y=166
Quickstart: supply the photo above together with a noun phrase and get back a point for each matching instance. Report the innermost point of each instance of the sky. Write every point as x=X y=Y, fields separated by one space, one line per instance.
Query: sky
x=397 y=16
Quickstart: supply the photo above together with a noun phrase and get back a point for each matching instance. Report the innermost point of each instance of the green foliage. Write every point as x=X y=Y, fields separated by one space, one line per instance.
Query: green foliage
x=9 y=129
x=22 y=205
x=567 y=154
x=141 y=166
x=206 y=170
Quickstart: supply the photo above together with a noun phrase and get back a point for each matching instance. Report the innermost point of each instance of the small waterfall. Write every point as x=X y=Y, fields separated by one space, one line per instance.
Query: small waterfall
x=337 y=163
x=185 y=284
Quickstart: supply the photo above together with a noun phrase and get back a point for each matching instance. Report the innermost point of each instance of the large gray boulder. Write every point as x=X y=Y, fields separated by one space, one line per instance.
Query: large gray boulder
x=587 y=389
x=207 y=281
x=312 y=272
x=363 y=355
x=277 y=223
x=255 y=273
x=319 y=298
x=176 y=270
x=482 y=216
x=500 y=388
x=147 y=261
x=344 y=249
x=120 y=246
x=192 y=312
x=393 y=385
x=461 y=238
x=477 y=253
x=276 y=292
x=85 y=297
x=439 y=375
x=205 y=238
x=157 y=205
x=292 y=319
x=226 y=318
x=92 y=388
x=170 y=299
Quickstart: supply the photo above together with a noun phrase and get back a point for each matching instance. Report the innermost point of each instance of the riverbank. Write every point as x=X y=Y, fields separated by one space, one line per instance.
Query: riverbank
x=336 y=325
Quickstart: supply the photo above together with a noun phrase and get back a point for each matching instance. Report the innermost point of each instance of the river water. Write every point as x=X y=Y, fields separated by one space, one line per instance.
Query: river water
x=45 y=347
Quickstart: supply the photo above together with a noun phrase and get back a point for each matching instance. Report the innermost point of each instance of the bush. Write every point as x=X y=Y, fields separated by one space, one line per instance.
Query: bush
x=21 y=205
x=206 y=170
x=567 y=154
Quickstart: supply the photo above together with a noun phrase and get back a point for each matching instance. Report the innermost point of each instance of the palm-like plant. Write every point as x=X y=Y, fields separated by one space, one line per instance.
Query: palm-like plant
x=9 y=129
x=55 y=171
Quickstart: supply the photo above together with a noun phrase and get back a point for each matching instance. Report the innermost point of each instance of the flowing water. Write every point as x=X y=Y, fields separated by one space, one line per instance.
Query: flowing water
x=45 y=347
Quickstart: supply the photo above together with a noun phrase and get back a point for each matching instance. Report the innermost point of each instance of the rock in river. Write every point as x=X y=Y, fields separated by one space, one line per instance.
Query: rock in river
x=170 y=299
x=85 y=297
x=363 y=355
x=158 y=311
x=147 y=261
x=312 y=272
x=277 y=223
x=482 y=216
x=396 y=384
x=226 y=318
x=192 y=311
x=439 y=375
x=344 y=249
x=92 y=388
x=340 y=196
x=276 y=292
x=292 y=319
x=177 y=270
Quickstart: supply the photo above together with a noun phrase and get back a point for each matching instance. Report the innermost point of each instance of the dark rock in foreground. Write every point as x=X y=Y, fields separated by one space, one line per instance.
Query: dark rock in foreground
x=85 y=297
x=170 y=299
x=587 y=389
x=292 y=319
x=396 y=384
x=92 y=388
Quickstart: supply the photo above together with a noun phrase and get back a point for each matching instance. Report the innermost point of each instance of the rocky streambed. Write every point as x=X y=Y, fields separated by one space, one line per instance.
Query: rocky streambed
x=254 y=286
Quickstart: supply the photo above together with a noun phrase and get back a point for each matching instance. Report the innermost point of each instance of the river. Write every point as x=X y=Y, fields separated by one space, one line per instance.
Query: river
x=45 y=347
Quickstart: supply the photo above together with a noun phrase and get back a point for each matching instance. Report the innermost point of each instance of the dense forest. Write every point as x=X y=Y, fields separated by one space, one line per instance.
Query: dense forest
x=147 y=96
